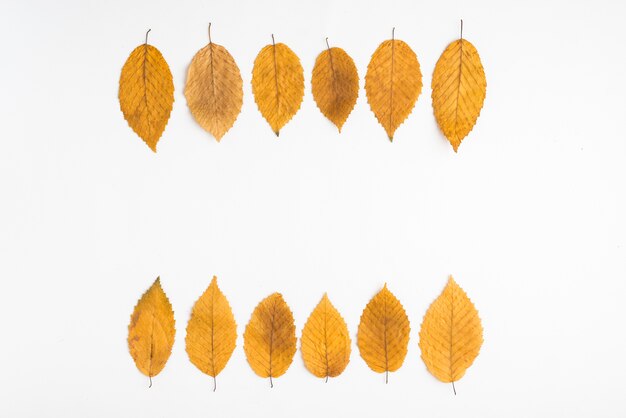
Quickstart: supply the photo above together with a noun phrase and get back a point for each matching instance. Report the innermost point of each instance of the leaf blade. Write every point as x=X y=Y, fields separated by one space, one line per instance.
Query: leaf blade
x=151 y=331
x=393 y=83
x=269 y=340
x=211 y=331
x=383 y=335
x=459 y=88
x=335 y=85
x=146 y=93
x=451 y=334
x=214 y=89
x=277 y=84
x=325 y=341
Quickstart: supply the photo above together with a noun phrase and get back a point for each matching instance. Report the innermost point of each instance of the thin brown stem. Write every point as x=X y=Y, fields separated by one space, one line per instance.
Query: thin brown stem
x=214 y=383
x=461 y=28
x=209 y=32
x=150 y=385
x=453 y=388
x=393 y=33
x=147 y=36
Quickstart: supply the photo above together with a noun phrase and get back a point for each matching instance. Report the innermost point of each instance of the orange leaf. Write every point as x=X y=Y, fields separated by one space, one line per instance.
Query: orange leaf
x=151 y=331
x=277 y=84
x=383 y=336
x=146 y=93
x=270 y=337
x=451 y=334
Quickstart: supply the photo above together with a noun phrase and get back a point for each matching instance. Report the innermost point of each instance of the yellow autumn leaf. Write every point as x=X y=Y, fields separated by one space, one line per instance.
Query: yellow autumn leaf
x=325 y=342
x=146 y=93
x=459 y=88
x=277 y=84
x=383 y=335
x=214 y=89
x=393 y=83
x=211 y=332
x=151 y=331
x=335 y=84
x=451 y=334
x=270 y=338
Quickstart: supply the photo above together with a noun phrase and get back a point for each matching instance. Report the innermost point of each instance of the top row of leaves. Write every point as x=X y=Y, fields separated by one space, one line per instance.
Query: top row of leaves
x=214 y=87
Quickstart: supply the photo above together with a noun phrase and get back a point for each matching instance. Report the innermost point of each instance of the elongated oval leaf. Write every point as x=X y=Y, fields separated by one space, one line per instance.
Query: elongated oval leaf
x=146 y=93
x=211 y=332
x=151 y=331
x=459 y=89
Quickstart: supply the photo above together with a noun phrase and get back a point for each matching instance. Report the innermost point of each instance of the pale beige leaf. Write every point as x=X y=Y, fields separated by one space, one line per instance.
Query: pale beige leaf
x=214 y=89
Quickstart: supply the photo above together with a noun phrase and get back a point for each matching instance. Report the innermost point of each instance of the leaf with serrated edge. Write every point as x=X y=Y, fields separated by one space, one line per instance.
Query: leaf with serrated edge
x=335 y=85
x=146 y=93
x=151 y=331
x=383 y=336
x=393 y=83
x=451 y=334
x=459 y=88
x=214 y=89
x=211 y=332
x=277 y=84
x=325 y=342
x=270 y=338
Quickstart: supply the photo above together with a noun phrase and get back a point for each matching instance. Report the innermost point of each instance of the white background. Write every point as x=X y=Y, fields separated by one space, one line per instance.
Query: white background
x=528 y=216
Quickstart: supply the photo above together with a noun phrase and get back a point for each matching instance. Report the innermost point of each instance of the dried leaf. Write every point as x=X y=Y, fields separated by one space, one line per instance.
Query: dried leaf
x=214 y=89
x=383 y=336
x=277 y=84
x=335 y=85
x=393 y=83
x=270 y=337
x=325 y=341
x=146 y=93
x=451 y=334
x=211 y=332
x=459 y=87
x=151 y=331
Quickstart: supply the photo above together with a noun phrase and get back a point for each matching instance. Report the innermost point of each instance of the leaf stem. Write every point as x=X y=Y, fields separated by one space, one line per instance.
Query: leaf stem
x=147 y=36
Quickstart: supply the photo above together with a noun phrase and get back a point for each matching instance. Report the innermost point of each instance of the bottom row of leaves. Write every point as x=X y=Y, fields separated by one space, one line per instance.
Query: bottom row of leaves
x=450 y=335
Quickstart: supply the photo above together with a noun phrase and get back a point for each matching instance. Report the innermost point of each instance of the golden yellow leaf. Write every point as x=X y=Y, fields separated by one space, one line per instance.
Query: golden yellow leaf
x=393 y=83
x=459 y=88
x=151 y=331
x=211 y=332
x=325 y=341
x=335 y=84
x=451 y=334
x=277 y=84
x=214 y=89
x=383 y=336
x=270 y=337
x=146 y=93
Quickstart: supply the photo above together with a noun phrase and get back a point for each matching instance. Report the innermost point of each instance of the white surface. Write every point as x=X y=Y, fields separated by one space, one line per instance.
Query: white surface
x=529 y=216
